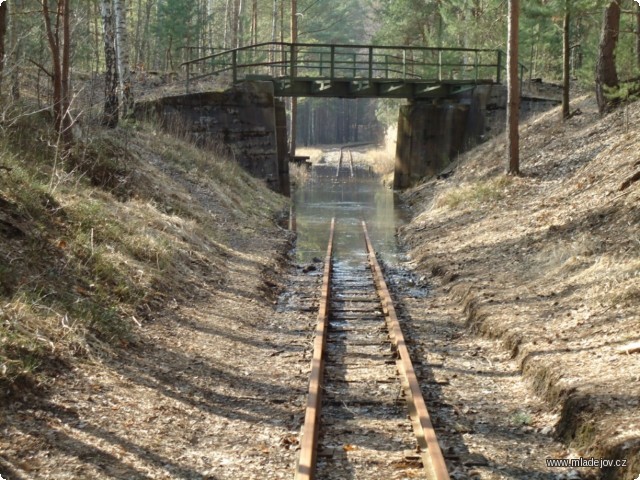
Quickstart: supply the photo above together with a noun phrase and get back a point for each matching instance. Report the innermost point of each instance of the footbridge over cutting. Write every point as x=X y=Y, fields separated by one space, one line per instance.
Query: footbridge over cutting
x=447 y=89
x=353 y=71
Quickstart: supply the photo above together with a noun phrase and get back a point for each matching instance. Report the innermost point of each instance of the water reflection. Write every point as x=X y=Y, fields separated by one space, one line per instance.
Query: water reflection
x=350 y=200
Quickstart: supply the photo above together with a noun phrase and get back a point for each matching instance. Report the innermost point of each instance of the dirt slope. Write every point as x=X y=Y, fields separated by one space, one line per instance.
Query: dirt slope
x=176 y=366
x=549 y=264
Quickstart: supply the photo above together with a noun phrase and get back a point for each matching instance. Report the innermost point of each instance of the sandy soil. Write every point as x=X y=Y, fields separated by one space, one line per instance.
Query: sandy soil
x=547 y=265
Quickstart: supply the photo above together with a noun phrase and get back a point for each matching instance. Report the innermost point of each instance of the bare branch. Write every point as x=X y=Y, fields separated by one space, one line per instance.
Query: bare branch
x=41 y=67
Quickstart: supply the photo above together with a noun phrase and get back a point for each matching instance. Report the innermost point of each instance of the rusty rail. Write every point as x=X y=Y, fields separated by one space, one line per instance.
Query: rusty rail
x=305 y=469
x=350 y=161
x=431 y=454
x=432 y=457
x=342 y=160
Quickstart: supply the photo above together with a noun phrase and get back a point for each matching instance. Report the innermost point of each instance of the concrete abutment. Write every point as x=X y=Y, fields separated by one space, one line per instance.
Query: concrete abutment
x=247 y=120
x=432 y=133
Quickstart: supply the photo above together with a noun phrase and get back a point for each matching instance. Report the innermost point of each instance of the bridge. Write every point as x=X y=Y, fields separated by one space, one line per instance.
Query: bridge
x=353 y=71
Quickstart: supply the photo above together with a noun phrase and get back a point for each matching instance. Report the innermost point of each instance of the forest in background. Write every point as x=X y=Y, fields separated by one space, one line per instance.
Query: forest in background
x=119 y=43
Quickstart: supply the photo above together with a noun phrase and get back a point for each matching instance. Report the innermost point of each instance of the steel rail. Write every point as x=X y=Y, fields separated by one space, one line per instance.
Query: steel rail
x=432 y=457
x=305 y=469
x=350 y=161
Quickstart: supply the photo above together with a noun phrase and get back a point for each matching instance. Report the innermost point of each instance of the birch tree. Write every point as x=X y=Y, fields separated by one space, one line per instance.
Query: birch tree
x=122 y=54
x=294 y=100
x=110 y=117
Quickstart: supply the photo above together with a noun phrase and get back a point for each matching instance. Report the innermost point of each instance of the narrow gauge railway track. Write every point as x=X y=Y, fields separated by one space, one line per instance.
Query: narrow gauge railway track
x=357 y=424
x=345 y=153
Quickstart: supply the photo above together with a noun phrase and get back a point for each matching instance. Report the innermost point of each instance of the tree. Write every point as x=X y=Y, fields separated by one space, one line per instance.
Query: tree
x=110 y=117
x=3 y=32
x=254 y=22
x=58 y=31
x=606 y=74
x=513 y=93
x=566 y=54
x=122 y=54
x=637 y=15
x=294 y=100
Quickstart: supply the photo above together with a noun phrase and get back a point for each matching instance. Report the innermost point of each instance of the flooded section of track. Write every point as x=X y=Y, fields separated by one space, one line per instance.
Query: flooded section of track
x=332 y=191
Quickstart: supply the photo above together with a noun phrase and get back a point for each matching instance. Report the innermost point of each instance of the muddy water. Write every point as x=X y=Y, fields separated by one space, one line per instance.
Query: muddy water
x=350 y=200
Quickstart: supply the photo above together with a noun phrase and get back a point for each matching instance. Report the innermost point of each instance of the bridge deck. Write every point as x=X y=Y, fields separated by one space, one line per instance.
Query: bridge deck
x=353 y=71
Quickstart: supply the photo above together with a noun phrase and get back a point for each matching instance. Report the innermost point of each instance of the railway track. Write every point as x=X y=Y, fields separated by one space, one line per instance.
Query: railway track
x=345 y=162
x=365 y=417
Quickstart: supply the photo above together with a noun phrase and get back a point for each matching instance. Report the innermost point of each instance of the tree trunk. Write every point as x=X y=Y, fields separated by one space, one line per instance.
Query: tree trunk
x=294 y=100
x=274 y=24
x=61 y=65
x=240 y=25
x=254 y=22
x=122 y=52
x=638 y=35
x=606 y=74
x=4 y=14
x=282 y=52
x=65 y=81
x=235 y=23
x=513 y=93
x=210 y=39
x=145 y=44
x=225 y=36
x=16 y=51
x=137 y=40
x=566 y=54
x=110 y=118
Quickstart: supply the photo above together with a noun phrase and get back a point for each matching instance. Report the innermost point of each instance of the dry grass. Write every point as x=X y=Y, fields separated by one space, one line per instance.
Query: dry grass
x=298 y=174
x=314 y=154
x=550 y=262
x=89 y=244
x=471 y=195
x=382 y=159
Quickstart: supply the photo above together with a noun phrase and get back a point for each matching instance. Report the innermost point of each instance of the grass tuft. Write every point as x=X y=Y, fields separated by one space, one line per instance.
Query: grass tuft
x=481 y=192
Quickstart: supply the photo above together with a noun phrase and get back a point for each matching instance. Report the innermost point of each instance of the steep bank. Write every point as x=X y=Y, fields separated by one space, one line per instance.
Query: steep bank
x=139 y=340
x=549 y=263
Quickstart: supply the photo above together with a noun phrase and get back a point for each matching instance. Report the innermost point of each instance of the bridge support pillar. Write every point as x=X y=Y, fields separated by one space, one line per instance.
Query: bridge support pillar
x=430 y=135
x=246 y=120
x=282 y=147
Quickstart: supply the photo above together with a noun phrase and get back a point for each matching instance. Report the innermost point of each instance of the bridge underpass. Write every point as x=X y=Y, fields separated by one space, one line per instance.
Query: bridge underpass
x=446 y=89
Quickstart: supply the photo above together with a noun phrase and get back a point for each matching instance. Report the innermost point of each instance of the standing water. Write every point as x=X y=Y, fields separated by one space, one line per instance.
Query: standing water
x=332 y=192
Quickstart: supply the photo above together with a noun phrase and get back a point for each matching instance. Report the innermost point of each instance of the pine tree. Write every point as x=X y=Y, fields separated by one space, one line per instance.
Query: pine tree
x=58 y=31
x=513 y=93
x=606 y=73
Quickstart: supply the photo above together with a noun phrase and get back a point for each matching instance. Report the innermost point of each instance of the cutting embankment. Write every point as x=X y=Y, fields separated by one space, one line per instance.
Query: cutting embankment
x=549 y=263
x=137 y=335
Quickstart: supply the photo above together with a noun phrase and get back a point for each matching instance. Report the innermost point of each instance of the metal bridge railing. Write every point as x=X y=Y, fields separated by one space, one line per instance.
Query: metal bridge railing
x=350 y=62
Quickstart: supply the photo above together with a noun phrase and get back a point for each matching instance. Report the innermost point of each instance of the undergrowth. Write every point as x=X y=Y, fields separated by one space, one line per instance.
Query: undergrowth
x=95 y=238
x=479 y=192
